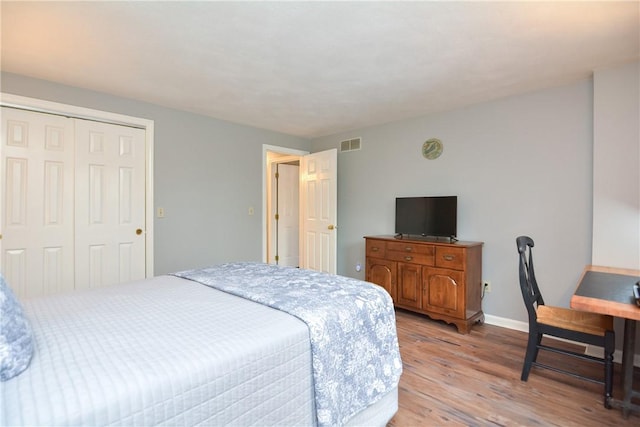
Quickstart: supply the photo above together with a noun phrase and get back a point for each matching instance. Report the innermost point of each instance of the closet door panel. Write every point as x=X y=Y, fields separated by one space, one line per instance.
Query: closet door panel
x=37 y=202
x=110 y=187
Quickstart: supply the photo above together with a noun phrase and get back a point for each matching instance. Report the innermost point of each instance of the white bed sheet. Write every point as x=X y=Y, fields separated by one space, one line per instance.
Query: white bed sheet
x=164 y=351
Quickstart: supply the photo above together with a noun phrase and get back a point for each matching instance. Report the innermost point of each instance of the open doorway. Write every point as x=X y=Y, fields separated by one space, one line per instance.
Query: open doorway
x=284 y=216
x=281 y=227
x=316 y=207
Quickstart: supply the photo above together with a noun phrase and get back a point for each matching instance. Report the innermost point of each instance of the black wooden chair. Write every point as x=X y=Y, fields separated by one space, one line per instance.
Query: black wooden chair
x=574 y=325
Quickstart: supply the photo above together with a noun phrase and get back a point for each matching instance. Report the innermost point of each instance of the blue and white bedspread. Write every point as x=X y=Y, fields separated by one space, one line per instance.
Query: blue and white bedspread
x=354 y=345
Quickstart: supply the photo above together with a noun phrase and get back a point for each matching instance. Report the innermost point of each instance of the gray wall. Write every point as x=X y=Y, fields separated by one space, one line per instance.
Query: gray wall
x=520 y=165
x=616 y=168
x=616 y=172
x=207 y=173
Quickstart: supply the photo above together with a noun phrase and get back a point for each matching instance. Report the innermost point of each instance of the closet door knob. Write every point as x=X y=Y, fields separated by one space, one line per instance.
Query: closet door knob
x=139 y=231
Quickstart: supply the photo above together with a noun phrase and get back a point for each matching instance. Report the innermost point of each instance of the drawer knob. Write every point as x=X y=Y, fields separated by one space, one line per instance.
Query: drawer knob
x=375 y=249
x=408 y=258
x=408 y=249
x=448 y=257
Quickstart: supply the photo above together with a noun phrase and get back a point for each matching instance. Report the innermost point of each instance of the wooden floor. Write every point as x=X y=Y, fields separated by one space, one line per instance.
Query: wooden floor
x=474 y=380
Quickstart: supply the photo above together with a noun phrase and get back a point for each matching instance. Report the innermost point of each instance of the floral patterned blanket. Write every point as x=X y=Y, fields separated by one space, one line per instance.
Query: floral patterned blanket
x=354 y=345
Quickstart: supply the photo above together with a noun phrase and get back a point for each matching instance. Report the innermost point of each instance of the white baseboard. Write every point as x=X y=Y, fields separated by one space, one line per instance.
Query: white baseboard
x=506 y=323
x=524 y=327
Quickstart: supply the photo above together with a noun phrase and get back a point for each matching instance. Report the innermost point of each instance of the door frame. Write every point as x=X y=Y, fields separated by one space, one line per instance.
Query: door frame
x=266 y=187
x=42 y=106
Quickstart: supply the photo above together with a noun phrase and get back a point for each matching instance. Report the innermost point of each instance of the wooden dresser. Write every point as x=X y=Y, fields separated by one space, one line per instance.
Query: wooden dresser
x=440 y=279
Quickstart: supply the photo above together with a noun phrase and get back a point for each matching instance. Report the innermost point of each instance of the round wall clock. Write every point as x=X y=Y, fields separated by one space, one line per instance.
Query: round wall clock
x=432 y=148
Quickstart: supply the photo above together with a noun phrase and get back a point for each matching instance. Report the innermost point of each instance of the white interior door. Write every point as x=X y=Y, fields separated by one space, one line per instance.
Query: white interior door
x=36 y=171
x=319 y=210
x=110 y=212
x=288 y=215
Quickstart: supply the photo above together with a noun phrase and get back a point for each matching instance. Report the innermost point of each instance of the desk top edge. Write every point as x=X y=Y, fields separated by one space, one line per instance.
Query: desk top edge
x=613 y=308
x=612 y=270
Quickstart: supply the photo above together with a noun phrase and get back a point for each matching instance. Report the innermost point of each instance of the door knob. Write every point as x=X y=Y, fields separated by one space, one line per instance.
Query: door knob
x=331 y=227
x=139 y=231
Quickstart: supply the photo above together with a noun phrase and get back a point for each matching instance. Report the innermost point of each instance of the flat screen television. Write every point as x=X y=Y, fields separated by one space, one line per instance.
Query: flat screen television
x=434 y=216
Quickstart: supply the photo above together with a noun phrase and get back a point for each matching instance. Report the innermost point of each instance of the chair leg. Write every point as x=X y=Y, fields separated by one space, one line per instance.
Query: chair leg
x=609 y=348
x=531 y=355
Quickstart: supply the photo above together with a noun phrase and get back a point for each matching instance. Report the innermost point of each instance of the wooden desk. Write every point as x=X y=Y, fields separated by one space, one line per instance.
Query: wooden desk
x=608 y=290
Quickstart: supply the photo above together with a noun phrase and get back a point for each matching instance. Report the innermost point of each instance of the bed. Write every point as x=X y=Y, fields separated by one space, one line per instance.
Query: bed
x=190 y=349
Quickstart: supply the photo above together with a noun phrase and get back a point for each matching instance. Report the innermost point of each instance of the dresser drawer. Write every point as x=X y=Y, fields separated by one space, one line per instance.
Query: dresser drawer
x=409 y=247
x=410 y=252
x=376 y=248
x=450 y=257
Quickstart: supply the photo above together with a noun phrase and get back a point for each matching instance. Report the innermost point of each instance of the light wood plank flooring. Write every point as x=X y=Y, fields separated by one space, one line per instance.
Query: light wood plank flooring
x=474 y=380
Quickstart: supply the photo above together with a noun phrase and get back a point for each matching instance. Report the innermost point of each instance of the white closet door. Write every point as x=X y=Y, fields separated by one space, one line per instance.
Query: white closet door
x=110 y=213
x=36 y=205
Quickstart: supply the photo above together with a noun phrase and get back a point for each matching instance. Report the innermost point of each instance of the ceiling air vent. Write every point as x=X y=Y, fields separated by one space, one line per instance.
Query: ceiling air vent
x=350 y=144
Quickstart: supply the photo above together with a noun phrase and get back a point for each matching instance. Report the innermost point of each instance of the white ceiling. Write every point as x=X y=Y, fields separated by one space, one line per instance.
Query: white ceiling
x=316 y=68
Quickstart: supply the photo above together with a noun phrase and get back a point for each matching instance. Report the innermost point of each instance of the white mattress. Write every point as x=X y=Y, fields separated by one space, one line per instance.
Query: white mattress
x=163 y=351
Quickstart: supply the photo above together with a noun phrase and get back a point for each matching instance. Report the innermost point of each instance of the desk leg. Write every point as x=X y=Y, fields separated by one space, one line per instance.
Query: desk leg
x=628 y=353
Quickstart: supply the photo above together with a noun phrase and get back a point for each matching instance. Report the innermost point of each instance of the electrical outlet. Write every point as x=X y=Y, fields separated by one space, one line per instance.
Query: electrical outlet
x=487 y=286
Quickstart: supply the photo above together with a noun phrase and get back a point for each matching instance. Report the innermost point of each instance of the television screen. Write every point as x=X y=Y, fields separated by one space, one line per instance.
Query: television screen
x=427 y=216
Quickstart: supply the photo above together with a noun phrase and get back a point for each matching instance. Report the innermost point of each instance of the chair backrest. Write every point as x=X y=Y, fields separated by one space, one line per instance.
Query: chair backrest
x=528 y=284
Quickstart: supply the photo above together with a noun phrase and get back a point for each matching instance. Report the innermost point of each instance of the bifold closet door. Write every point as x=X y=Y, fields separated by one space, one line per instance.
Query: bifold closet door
x=73 y=203
x=37 y=179
x=110 y=204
